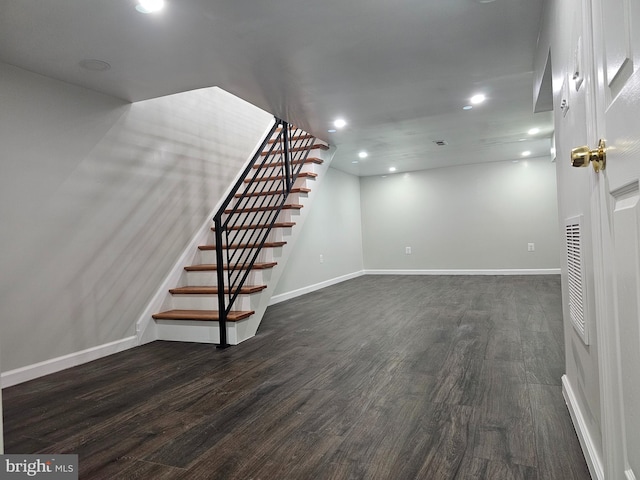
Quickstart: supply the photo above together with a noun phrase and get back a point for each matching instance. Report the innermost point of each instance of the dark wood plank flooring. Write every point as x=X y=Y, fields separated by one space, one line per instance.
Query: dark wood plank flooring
x=380 y=377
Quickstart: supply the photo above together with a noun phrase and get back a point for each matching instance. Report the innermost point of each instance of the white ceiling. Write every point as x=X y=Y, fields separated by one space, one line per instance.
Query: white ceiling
x=398 y=71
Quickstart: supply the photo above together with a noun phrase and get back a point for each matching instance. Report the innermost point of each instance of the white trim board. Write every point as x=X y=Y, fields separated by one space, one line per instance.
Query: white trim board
x=24 y=374
x=312 y=288
x=506 y=271
x=594 y=462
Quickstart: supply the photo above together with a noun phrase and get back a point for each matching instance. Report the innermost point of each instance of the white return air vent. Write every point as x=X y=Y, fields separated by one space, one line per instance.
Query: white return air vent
x=577 y=286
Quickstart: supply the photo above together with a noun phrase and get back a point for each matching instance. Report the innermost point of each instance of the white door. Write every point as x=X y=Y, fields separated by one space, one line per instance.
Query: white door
x=616 y=46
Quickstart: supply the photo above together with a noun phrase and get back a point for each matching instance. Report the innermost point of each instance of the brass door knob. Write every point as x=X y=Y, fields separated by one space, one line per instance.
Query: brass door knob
x=582 y=156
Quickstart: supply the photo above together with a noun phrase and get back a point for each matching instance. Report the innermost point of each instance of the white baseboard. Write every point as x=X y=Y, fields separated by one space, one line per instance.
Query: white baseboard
x=312 y=288
x=24 y=374
x=594 y=462
x=505 y=271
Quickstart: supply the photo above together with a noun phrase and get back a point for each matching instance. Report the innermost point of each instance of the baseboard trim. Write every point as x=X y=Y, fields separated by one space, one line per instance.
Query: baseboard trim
x=30 y=372
x=589 y=450
x=505 y=271
x=312 y=288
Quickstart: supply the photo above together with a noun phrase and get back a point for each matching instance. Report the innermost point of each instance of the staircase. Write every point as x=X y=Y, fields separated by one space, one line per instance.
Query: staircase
x=224 y=293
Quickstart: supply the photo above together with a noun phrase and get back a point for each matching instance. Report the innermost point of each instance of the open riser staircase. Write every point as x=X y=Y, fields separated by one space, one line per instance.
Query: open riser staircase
x=255 y=228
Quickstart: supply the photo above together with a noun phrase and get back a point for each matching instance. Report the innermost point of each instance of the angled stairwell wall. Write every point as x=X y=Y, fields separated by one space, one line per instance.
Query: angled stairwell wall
x=99 y=198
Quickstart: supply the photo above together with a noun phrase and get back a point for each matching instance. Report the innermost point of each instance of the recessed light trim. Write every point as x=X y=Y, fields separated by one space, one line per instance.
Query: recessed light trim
x=467 y=107
x=332 y=130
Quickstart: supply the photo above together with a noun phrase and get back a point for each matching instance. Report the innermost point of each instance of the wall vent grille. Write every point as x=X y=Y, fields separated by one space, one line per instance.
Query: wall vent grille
x=576 y=277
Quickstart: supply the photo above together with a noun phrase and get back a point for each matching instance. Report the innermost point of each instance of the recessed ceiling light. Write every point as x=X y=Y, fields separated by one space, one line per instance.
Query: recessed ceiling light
x=355 y=161
x=392 y=169
x=533 y=131
x=467 y=107
x=363 y=154
x=476 y=99
x=526 y=153
x=522 y=139
x=332 y=130
x=149 y=6
x=340 y=123
x=94 y=65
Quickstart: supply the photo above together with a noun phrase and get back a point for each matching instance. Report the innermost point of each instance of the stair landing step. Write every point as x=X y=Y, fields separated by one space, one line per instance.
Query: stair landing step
x=244 y=245
x=206 y=267
x=245 y=290
x=203 y=315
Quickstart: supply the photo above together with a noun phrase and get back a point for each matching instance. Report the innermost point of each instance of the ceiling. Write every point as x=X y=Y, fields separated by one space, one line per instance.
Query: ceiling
x=399 y=72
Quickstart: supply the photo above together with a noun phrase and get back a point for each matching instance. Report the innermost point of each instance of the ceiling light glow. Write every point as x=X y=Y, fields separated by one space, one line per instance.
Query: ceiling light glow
x=526 y=153
x=533 y=131
x=150 y=6
x=392 y=169
x=340 y=123
x=363 y=154
x=476 y=99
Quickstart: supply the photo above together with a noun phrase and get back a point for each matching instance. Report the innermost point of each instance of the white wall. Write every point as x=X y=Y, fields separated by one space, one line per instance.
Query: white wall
x=332 y=230
x=98 y=198
x=474 y=217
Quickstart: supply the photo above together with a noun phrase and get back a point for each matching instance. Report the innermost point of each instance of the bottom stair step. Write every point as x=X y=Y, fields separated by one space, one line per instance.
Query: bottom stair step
x=204 y=315
x=245 y=290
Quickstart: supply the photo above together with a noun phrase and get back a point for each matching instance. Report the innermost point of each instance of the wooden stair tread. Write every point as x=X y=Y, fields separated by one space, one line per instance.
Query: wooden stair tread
x=267 y=208
x=315 y=160
x=206 y=267
x=261 y=225
x=305 y=136
x=272 y=192
x=280 y=177
x=204 y=315
x=244 y=245
x=315 y=146
x=245 y=290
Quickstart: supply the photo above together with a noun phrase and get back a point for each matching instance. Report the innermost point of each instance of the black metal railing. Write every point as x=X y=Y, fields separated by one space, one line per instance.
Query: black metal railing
x=242 y=226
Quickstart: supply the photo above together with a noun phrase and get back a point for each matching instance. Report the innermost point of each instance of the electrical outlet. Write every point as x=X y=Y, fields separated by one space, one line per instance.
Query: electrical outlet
x=407 y=250
x=531 y=247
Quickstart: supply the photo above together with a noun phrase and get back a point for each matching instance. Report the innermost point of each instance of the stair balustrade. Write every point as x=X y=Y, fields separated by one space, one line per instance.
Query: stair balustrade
x=244 y=221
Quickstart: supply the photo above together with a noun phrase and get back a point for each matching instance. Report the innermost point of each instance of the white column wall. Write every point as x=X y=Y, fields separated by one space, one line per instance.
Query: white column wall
x=332 y=230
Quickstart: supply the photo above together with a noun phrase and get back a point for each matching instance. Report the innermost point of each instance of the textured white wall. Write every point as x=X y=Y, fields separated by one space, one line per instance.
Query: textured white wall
x=98 y=199
x=474 y=217
x=332 y=230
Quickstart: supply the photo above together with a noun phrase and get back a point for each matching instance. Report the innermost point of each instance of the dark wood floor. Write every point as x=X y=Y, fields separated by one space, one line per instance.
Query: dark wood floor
x=380 y=377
